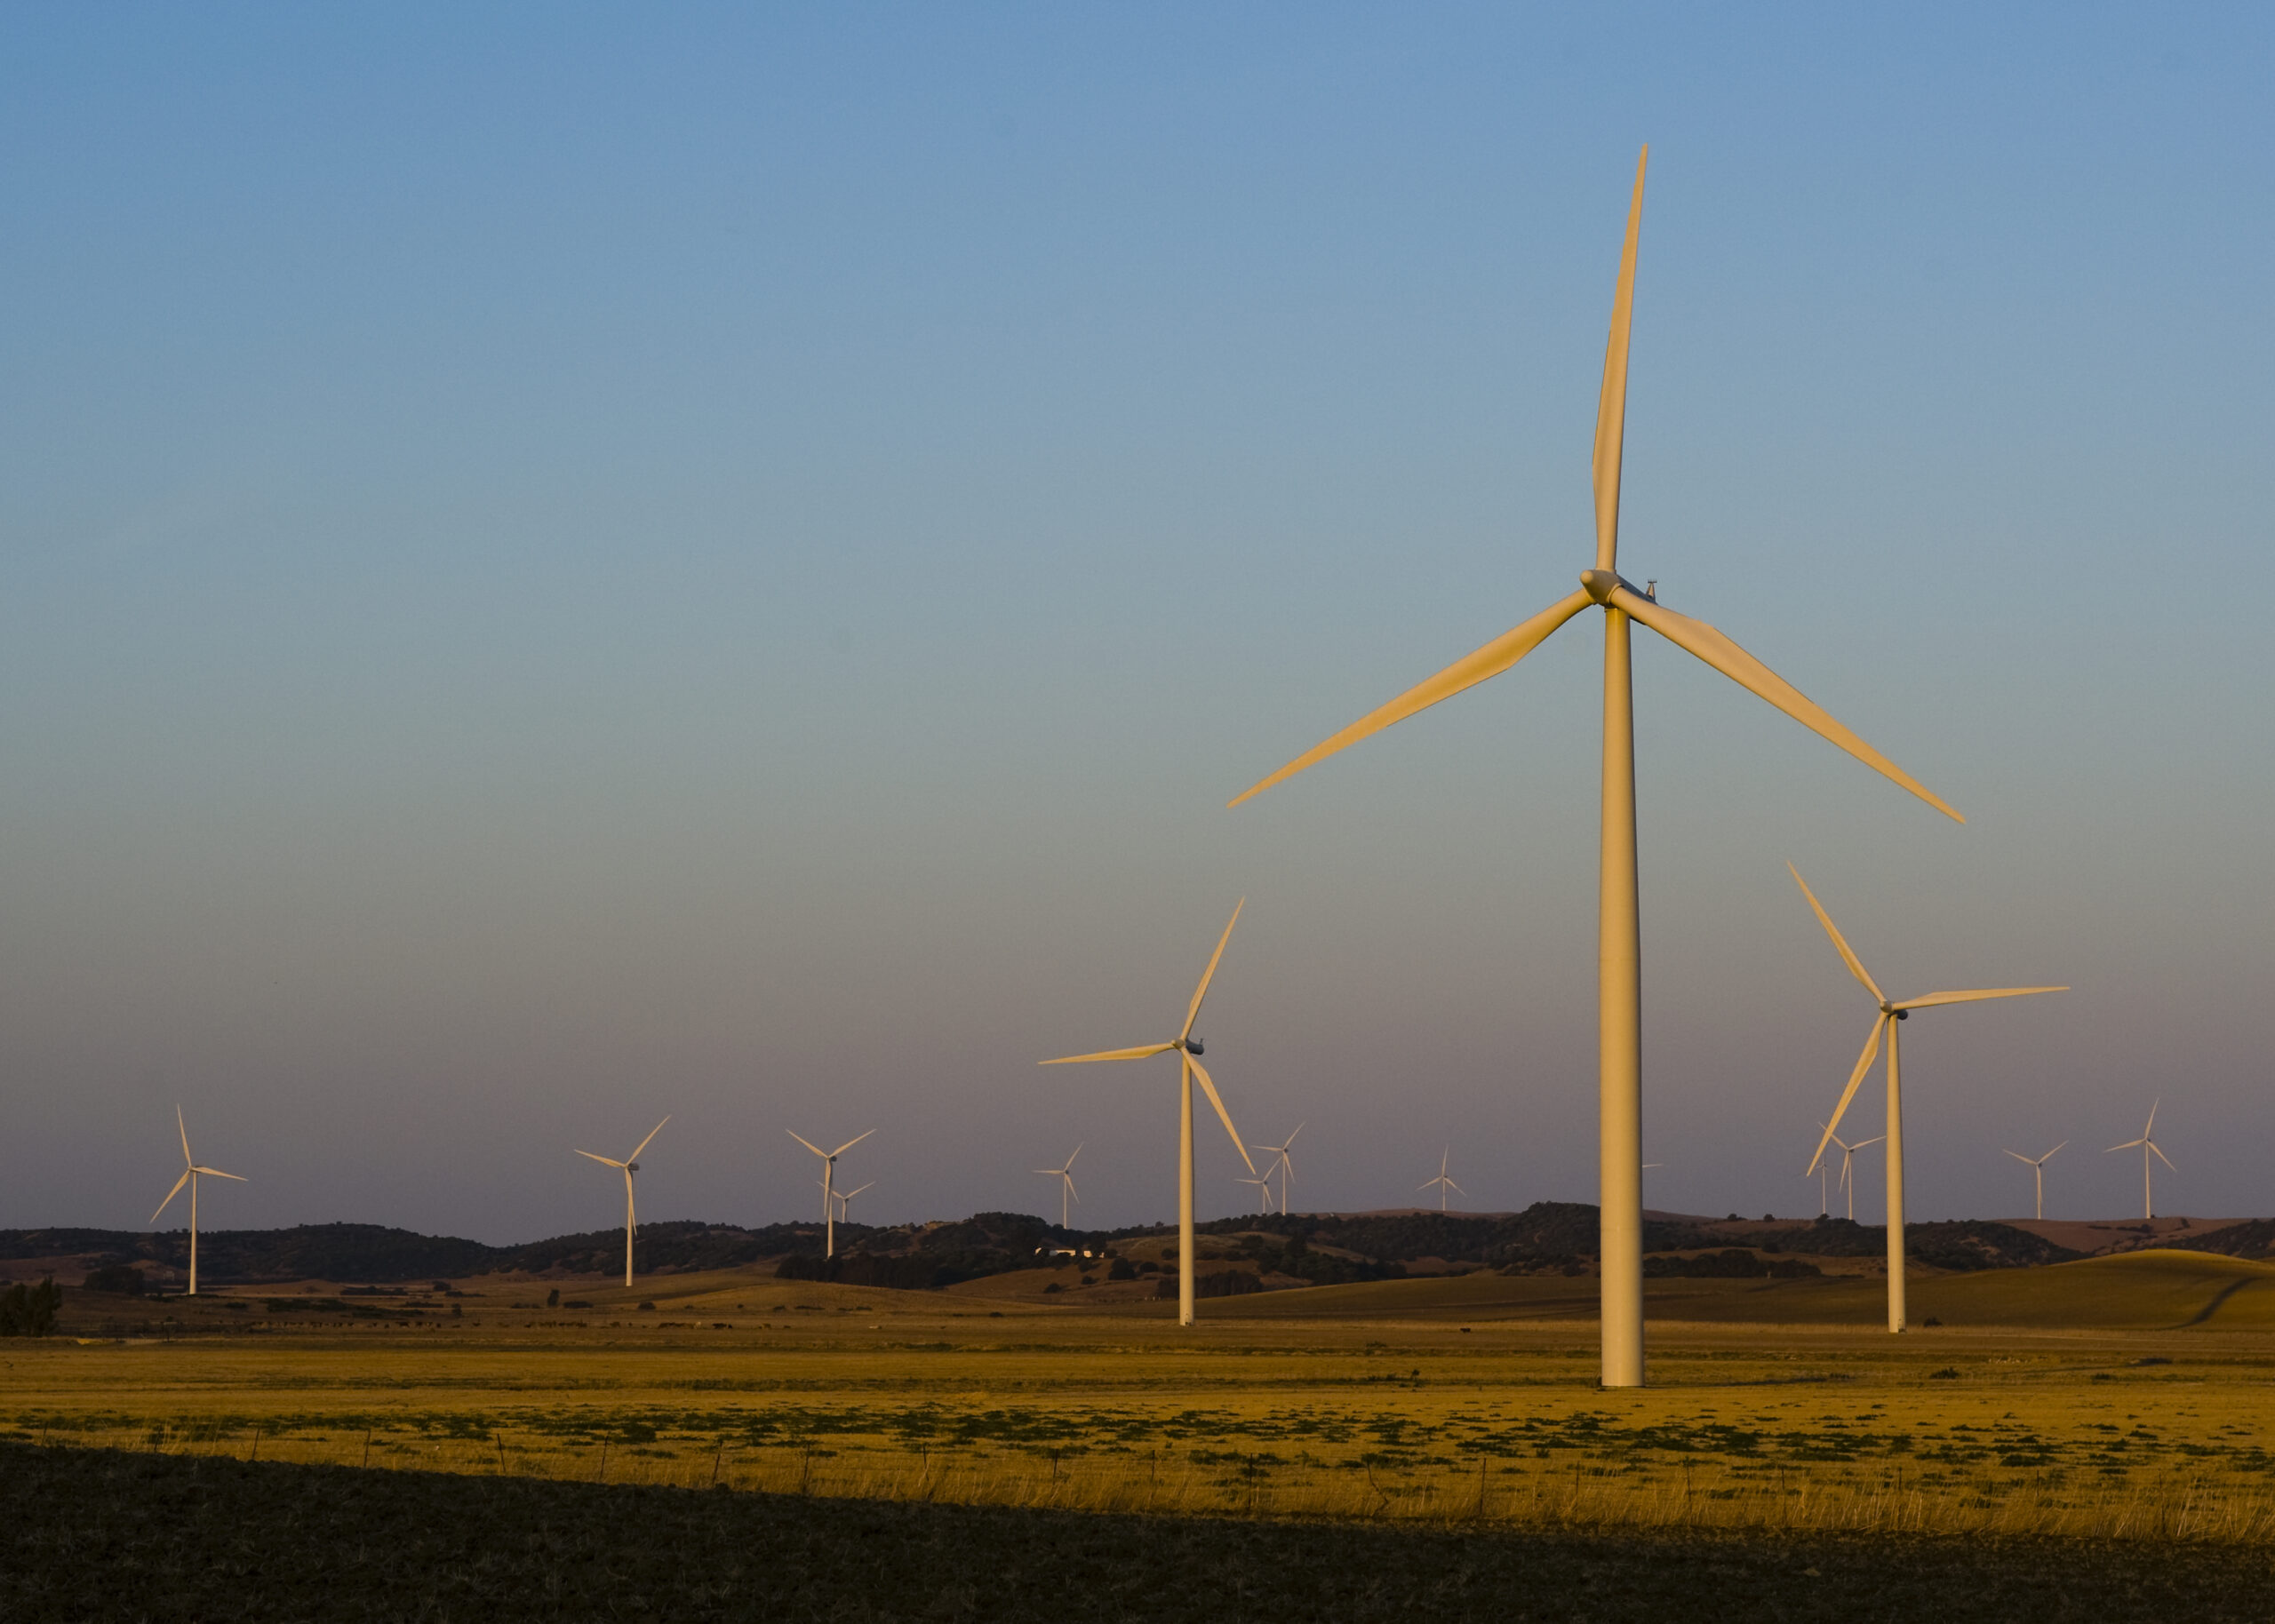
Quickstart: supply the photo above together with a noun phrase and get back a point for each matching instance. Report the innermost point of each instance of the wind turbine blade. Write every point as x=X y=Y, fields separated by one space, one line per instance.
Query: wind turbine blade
x=849 y=1144
x=1069 y=1167
x=215 y=1173
x=643 y=1143
x=849 y=1194
x=2050 y=1155
x=2019 y=1157
x=1143 y=1052
x=606 y=1160
x=171 y=1194
x=1864 y=1144
x=1933 y=999
x=1291 y=1137
x=1457 y=1189
x=1209 y=1088
x=1192 y=1010
x=1070 y=1188
x=1855 y=1079
x=2130 y=1145
x=1490 y=661
x=1699 y=639
x=186 y=1157
x=810 y=1145
x=2161 y=1157
x=1611 y=402
x=1847 y=954
x=2152 y=1118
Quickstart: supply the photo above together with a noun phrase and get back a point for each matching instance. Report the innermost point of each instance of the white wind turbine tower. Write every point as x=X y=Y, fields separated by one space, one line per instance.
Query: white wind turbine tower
x=1441 y=1183
x=1848 y=1167
x=1065 y=1177
x=1283 y=1164
x=828 y=1184
x=2147 y=1146
x=1619 y=953
x=630 y=1165
x=845 y=1201
x=2037 y=1168
x=1188 y=1050
x=189 y=1176
x=1889 y=1016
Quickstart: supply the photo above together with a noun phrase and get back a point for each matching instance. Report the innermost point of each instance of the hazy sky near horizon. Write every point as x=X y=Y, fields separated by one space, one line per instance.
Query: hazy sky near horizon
x=564 y=564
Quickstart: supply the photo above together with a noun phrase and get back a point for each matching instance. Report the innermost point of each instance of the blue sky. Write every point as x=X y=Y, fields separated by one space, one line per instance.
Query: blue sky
x=564 y=564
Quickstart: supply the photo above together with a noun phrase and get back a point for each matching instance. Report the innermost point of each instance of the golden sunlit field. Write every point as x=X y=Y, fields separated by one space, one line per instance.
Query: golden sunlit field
x=2125 y=1398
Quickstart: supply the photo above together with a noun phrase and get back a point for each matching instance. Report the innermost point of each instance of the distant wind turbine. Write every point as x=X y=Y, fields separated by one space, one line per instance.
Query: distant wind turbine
x=1065 y=1177
x=2147 y=1146
x=1263 y=1192
x=1283 y=1164
x=2037 y=1168
x=1847 y=1170
x=828 y=1186
x=1891 y=1015
x=1441 y=1183
x=845 y=1201
x=1619 y=953
x=189 y=1176
x=1188 y=1051
x=630 y=1165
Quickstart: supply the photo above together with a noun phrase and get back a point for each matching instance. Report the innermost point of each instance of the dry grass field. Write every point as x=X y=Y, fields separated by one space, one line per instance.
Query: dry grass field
x=2124 y=1397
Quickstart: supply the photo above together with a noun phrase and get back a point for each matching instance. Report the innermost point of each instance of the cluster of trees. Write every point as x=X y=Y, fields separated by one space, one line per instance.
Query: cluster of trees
x=1730 y=1263
x=29 y=1310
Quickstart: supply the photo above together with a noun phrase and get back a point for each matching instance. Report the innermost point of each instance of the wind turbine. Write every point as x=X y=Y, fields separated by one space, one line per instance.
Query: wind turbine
x=1188 y=1049
x=2038 y=1166
x=1443 y=1183
x=1283 y=1164
x=1065 y=1177
x=1887 y=1019
x=2147 y=1146
x=1619 y=946
x=630 y=1165
x=1263 y=1192
x=828 y=1187
x=1847 y=1179
x=845 y=1201
x=190 y=1175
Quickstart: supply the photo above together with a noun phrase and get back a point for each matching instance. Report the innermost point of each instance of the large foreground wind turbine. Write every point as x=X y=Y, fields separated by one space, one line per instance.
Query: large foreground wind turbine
x=1189 y=1051
x=1620 y=948
x=189 y=1176
x=2037 y=1168
x=2147 y=1146
x=1065 y=1177
x=1891 y=1015
x=1283 y=1164
x=630 y=1165
x=1441 y=1183
x=828 y=1184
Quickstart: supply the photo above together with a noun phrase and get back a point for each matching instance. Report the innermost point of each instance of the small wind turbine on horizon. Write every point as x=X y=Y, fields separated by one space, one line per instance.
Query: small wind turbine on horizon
x=1443 y=1183
x=189 y=1176
x=845 y=1201
x=2147 y=1145
x=1188 y=1050
x=1890 y=1015
x=828 y=1185
x=629 y=1165
x=1263 y=1192
x=1065 y=1177
x=1847 y=1171
x=2038 y=1169
x=1283 y=1164
x=1620 y=953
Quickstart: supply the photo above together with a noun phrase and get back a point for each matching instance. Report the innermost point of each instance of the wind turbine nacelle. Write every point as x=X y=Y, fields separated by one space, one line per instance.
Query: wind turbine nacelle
x=632 y=1167
x=1194 y=1046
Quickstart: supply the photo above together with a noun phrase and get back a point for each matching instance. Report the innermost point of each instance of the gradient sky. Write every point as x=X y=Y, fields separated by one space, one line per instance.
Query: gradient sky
x=564 y=564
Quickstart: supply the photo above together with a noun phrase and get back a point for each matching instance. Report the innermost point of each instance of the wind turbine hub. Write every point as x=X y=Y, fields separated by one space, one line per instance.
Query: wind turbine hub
x=632 y=1167
x=1601 y=583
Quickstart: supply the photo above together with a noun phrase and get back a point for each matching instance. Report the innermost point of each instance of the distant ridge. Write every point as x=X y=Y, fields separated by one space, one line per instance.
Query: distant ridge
x=1548 y=1235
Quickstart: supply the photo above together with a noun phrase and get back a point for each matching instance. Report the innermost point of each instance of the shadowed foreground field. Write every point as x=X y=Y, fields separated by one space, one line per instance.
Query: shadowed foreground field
x=89 y=1535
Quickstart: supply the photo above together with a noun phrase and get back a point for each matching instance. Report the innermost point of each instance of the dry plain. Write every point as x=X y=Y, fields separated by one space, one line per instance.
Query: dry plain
x=2124 y=1397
